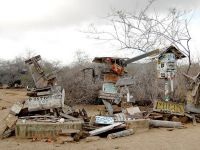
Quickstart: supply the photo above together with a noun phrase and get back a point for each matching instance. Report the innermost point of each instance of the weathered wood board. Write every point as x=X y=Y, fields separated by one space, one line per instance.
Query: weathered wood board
x=169 y=107
x=16 y=108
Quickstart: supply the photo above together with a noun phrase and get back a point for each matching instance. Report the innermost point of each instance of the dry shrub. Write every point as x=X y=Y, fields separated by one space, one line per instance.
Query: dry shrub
x=146 y=84
x=79 y=87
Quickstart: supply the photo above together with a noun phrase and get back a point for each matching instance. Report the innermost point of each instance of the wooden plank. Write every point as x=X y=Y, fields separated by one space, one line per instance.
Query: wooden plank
x=16 y=108
x=169 y=107
x=43 y=93
x=66 y=116
x=3 y=114
x=120 y=117
x=104 y=129
x=108 y=107
x=3 y=127
x=11 y=120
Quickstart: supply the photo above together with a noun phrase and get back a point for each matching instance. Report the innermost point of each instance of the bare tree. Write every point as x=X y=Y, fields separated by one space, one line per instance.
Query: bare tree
x=81 y=58
x=147 y=30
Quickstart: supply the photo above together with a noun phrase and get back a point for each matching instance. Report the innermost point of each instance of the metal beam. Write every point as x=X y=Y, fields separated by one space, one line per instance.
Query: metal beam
x=141 y=56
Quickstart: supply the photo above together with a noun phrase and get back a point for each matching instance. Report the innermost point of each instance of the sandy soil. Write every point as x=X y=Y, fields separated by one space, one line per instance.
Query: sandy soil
x=154 y=139
x=9 y=96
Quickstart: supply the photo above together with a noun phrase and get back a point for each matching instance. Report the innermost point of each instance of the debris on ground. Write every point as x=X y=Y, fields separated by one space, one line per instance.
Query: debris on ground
x=121 y=134
x=44 y=116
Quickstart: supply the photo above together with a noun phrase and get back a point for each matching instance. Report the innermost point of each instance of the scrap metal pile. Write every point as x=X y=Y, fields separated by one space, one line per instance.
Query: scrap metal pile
x=41 y=114
x=45 y=116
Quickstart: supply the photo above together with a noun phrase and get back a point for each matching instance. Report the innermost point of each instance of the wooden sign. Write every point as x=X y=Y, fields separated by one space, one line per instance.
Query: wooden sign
x=169 y=107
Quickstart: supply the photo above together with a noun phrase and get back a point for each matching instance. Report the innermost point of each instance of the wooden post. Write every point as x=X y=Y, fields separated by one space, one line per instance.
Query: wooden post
x=166 y=124
x=104 y=129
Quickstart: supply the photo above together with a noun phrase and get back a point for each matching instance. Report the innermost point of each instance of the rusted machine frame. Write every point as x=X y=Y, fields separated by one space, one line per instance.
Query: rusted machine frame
x=40 y=78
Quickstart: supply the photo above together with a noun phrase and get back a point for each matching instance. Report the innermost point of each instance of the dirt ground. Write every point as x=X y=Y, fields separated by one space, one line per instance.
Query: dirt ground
x=154 y=139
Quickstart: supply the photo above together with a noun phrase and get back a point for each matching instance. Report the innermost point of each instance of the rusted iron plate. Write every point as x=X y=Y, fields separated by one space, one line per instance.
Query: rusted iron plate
x=111 y=78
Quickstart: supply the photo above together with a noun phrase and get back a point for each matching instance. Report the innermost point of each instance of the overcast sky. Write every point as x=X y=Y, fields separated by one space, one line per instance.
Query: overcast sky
x=51 y=27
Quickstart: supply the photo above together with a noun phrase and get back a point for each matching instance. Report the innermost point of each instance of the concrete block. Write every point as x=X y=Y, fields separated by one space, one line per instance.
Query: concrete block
x=138 y=125
x=32 y=129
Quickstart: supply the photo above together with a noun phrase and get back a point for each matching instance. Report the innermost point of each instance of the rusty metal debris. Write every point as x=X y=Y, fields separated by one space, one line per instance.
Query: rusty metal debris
x=44 y=110
x=45 y=115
